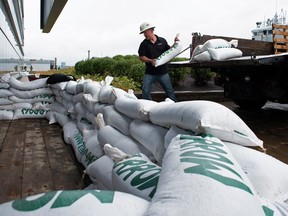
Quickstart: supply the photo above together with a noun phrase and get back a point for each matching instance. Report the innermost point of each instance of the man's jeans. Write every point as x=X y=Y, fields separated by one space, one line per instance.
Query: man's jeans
x=164 y=81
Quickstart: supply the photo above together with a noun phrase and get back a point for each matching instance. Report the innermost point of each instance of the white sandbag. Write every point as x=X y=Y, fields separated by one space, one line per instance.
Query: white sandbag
x=58 y=107
x=92 y=150
x=127 y=144
x=45 y=98
x=59 y=99
x=117 y=120
x=80 y=108
x=135 y=109
x=66 y=95
x=83 y=124
x=62 y=119
x=76 y=141
x=4 y=85
x=60 y=85
x=6 y=114
x=69 y=130
x=92 y=88
x=209 y=117
x=204 y=56
x=169 y=54
x=200 y=175
x=117 y=92
x=78 y=97
x=173 y=132
x=6 y=101
x=31 y=93
x=98 y=108
x=104 y=94
x=5 y=93
x=29 y=113
x=16 y=106
x=35 y=84
x=196 y=51
x=5 y=78
x=224 y=53
x=100 y=171
x=136 y=175
x=41 y=105
x=216 y=43
x=268 y=175
x=69 y=106
x=71 y=87
x=75 y=203
x=274 y=208
x=150 y=136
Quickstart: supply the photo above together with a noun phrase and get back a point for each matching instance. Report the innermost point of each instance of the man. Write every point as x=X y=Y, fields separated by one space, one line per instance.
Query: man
x=150 y=49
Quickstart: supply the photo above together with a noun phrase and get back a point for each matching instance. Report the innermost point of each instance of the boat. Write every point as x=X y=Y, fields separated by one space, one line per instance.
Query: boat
x=263 y=30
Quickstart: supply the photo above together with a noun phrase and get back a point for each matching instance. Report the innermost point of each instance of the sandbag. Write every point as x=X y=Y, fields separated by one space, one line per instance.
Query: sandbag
x=29 y=113
x=274 y=208
x=76 y=140
x=200 y=176
x=93 y=88
x=100 y=172
x=169 y=54
x=134 y=108
x=45 y=98
x=136 y=175
x=115 y=138
x=30 y=85
x=75 y=203
x=173 y=132
x=31 y=93
x=92 y=150
x=6 y=114
x=204 y=56
x=202 y=116
x=150 y=136
x=5 y=93
x=117 y=120
x=224 y=53
x=16 y=106
x=268 y=175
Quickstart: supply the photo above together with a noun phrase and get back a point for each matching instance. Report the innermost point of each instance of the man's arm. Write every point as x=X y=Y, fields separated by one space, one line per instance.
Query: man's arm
x=147 y=60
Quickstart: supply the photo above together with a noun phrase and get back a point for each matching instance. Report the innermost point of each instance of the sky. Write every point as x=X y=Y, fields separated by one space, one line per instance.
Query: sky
x=111 y=27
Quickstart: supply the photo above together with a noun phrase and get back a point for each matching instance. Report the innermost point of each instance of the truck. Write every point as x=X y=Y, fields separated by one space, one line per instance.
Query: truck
x=259 y=75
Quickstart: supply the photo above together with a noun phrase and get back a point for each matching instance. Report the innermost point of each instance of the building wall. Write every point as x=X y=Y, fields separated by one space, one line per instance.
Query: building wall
x=11 y=33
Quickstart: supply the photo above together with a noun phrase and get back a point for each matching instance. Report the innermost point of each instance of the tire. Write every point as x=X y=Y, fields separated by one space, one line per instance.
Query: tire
x=250 y=104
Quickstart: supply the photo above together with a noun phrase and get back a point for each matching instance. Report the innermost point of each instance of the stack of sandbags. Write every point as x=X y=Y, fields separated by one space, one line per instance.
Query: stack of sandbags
x=21 y=98
x=133 y=145
x=216 y=49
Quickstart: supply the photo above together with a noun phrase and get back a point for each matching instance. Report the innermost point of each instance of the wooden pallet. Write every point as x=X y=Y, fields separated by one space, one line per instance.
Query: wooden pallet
x=280 y=38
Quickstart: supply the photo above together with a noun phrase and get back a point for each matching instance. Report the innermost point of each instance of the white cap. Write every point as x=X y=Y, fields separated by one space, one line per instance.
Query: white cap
x=145 y=26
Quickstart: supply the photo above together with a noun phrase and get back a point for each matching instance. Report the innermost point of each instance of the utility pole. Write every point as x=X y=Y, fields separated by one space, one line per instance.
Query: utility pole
x=88 y=54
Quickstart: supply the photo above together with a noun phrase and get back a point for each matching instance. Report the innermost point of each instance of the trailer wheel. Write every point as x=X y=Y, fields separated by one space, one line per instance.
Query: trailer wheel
x=250 y=104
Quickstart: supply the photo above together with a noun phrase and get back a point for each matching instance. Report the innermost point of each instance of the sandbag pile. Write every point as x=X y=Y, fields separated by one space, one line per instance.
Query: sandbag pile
x=188 y=158
x=21 y=98
x=216 y=49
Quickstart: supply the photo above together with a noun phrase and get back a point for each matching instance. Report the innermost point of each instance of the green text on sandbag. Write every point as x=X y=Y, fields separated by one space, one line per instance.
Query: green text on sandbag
x=26 y=111
x=210 y=157
x=150 y=171
x=79 y=141
x=65 y=198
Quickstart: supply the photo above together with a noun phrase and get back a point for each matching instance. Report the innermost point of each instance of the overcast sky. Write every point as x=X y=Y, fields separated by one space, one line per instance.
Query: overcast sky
x=111 y=27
